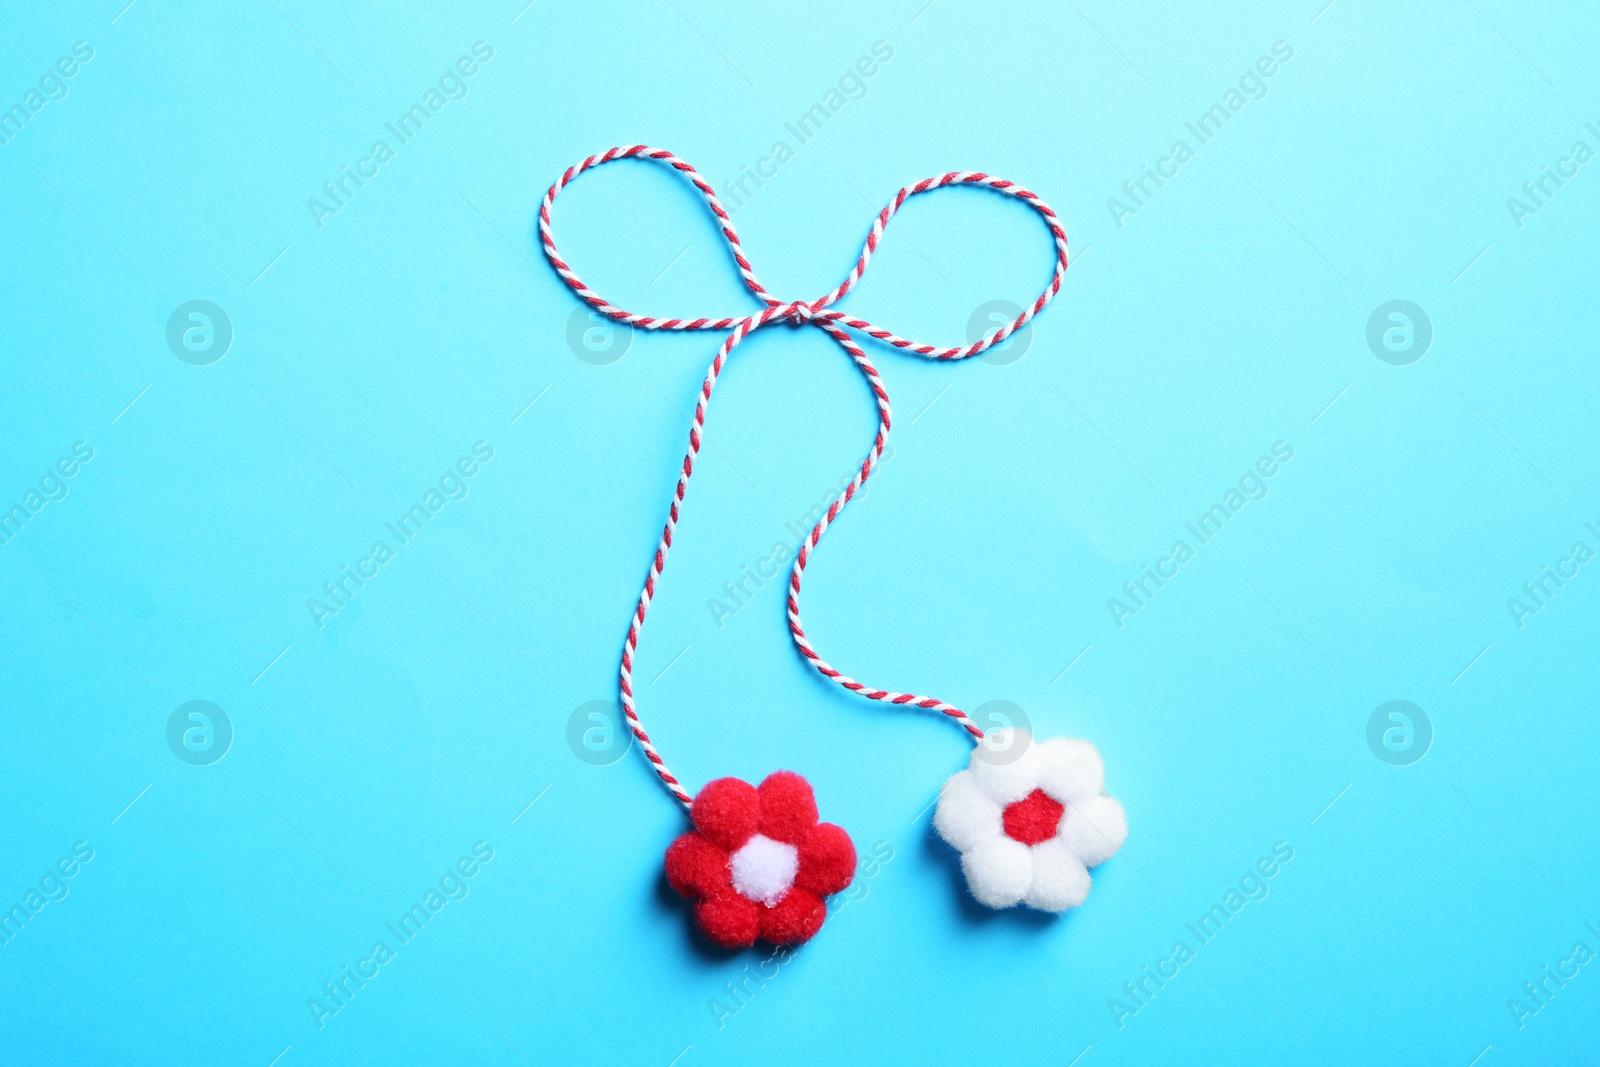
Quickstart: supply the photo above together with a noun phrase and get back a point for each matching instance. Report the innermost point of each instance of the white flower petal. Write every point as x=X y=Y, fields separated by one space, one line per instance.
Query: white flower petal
x=966 y=816
x=1069 y=769
x=1006 y=764
x=1060 y=880
x=999 y=872
x=1093 y=828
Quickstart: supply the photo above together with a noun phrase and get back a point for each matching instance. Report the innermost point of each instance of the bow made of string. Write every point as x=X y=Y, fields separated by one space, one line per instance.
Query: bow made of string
x=822 y=314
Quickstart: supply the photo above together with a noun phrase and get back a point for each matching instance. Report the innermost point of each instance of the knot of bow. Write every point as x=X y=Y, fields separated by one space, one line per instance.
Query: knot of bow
x=800 y=313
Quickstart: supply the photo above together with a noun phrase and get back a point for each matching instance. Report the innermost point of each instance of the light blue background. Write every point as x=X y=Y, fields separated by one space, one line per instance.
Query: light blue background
x=1227 y=314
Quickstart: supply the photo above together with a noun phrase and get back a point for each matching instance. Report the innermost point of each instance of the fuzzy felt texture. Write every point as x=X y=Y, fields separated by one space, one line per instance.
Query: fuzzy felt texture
x=1032 y=819
x=1029 y=818
x=758 y=863
x=764 y=869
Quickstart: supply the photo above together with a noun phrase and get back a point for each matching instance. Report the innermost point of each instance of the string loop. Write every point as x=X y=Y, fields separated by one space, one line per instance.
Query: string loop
x=837 y=324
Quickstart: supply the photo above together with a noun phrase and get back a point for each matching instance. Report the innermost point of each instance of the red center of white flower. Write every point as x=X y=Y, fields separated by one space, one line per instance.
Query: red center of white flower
x=1034 y=818
x=764 y=869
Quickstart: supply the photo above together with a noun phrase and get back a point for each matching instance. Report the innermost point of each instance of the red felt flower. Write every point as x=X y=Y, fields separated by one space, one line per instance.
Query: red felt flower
x=758 y=863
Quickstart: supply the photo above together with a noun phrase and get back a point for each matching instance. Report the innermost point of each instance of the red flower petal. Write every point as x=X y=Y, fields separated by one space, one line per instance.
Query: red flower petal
x=788 y=808
x=728 y=919
x=795 y=918
x=696 y=867
x=827 y=860
x=727 y=811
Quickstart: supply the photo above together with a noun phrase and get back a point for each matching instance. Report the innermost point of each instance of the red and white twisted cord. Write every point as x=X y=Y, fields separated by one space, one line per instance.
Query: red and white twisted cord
x=821 y=314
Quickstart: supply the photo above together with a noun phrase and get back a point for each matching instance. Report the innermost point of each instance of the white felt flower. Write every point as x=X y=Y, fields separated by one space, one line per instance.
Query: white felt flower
x=1029 y=818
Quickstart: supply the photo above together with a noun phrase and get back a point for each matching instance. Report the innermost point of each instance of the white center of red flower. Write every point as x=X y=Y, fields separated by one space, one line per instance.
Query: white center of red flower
x=764 y=869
